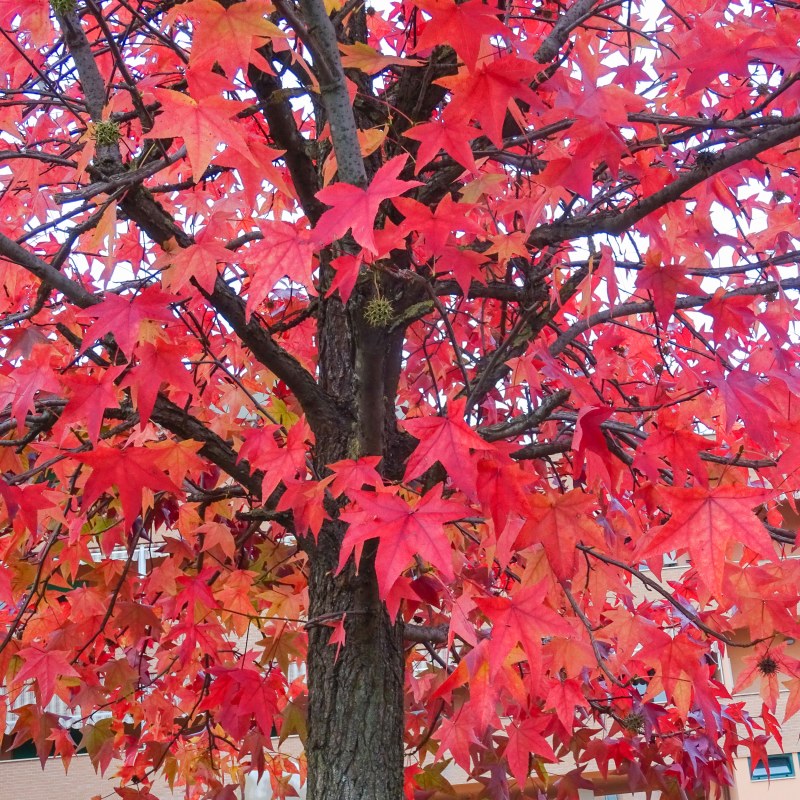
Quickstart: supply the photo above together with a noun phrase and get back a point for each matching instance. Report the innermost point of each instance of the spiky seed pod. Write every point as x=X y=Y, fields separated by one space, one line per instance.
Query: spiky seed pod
x=767 y=665
x=105 y=133
x=634 y=722
x=378 y=312
x=62 y=7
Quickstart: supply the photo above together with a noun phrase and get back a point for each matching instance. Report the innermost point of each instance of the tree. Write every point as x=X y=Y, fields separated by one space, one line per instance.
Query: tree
x=406 y=340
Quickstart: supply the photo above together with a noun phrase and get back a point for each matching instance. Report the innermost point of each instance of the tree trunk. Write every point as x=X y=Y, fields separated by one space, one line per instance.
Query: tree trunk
x=355 y=736
x=355 y=716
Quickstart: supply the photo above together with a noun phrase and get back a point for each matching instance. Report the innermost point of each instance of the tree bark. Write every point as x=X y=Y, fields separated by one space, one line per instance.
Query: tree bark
x=354 y=749
x=355 y=736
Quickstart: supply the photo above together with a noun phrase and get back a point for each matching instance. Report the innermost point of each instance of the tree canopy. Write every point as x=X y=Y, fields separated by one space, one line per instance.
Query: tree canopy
x=361 y=365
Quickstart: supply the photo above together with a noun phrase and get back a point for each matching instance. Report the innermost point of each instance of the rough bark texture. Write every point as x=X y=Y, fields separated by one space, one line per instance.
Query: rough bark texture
x=355 y=734
x=355 y=737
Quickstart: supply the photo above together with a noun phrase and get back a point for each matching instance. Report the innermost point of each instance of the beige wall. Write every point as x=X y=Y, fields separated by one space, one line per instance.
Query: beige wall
x=24 y=779
x=777 y=789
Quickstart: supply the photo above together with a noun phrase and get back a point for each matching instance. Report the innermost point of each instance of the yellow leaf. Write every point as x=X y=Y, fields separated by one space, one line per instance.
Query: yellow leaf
x=363 y=57
x=485 y=184
x=104 y=229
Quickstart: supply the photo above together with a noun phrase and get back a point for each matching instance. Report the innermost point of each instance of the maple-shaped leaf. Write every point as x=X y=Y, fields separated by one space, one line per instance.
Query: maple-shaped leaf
x=306 y=499
x=451 y=135
x=763 y=599
x=731 y=315
x=130 y=469
x=203 y=123
x=279 y=462
x=665 y=281
x=675 y=444
x=589 y=435
x=33 y=17
x=347 y=269
x=236 y=598
x=199 y=261
x=709 y=522
x=228 y=35
x=462 y=25
x=679 y=672
x=559 y=522
x=355 y=208
x=97 y=739
x=177 y=458
x=767 y=663
x=436 y=229
x=35 y=374
x=503 y=496
x=122 y=316
x=241 y=694
x=522 y=618
x=402 y=530
x=564 y=697
x=159 y=362
x=457 y=735
x=355 y=474
x=746 y=397
x=524 y=740
x=338 y=635
x=793 y=701
x=137 y=619
x=286 y=250
x=46 y=667
x=488 y=93
x=465 y=265
x=362 y=56
x=451 y=442
x=63 y=745
x=90 y=394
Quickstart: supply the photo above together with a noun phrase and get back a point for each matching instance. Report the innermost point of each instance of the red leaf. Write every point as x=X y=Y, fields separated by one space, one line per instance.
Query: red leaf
x=709 y=522
x=462 y=25
x=451 y=442
x=203 y=122
x=402 y=531
x=355 y=208
x=524 y=740
x=130 y=469
x=46 y=667
x=122 y=317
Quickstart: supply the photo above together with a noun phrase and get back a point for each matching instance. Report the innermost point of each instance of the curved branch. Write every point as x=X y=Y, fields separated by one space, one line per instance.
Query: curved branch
x=647 y=306
x=320 y=38
x=614 y=223
x=566 y=23
x=49 y=275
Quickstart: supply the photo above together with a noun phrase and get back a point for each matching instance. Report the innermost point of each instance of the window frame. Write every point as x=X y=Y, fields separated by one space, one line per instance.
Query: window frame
x=762 y=767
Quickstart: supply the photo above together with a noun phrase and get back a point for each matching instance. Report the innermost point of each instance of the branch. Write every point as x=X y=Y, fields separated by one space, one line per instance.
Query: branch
x=321 y=411
x=179 y=422
x=320 y=38
x=647 y=306
x=124 y=179
x=557 y=37
x=72 y=290
x=613 y=223
x=653 y=584
x=426 y=634
x=282 y=128
x=94 y=87
x=516 y=426
x=151 y=217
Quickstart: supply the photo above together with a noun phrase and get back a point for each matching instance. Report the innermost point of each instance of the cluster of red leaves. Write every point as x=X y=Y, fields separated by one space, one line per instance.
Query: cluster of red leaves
x=576 y=411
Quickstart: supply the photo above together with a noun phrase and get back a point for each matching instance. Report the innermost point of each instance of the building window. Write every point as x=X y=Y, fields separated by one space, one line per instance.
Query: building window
x=781 y=766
